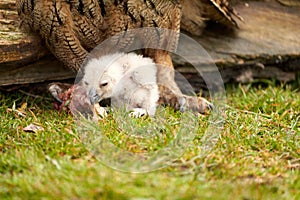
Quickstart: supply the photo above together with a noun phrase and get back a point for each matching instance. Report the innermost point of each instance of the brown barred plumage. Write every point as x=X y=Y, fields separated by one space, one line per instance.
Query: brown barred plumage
x=71 y=28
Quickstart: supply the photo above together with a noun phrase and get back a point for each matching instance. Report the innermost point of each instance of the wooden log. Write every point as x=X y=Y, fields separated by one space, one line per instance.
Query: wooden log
x=267 y=45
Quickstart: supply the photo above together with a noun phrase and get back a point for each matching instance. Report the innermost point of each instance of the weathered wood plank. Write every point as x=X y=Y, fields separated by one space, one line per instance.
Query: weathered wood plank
x=267 y=45
x=15 y=46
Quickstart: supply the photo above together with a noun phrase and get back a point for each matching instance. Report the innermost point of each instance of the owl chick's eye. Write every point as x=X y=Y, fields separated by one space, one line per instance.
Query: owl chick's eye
x=103 y=84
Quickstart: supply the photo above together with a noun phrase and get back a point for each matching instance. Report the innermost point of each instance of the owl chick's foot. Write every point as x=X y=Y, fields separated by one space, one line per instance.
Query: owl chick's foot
x=138 y=112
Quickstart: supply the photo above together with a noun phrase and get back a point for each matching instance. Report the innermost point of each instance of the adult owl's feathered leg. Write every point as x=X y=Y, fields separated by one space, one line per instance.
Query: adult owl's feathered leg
x=170 y=94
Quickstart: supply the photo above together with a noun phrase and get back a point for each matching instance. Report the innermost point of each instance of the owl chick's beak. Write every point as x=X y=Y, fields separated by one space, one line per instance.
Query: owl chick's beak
x=94 y=97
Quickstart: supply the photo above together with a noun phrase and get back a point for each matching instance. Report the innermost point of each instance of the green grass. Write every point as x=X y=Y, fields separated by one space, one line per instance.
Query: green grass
x=257 y=155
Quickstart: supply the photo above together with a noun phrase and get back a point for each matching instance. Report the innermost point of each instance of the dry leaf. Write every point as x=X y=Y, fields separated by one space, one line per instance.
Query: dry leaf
x=33 y=128
x=100 y=110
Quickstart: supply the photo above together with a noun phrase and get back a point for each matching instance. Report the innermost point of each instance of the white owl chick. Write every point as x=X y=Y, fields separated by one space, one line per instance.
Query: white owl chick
x=128 y=79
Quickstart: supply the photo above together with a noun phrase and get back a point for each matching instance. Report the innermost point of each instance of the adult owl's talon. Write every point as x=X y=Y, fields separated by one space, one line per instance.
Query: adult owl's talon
x=210 y=106
x=198 y=104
